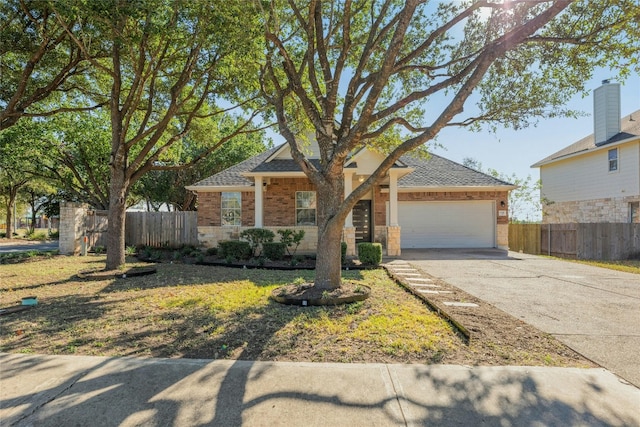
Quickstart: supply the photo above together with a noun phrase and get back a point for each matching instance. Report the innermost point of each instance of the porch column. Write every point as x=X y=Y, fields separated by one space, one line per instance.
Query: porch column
x=348 y=187
x=258 y=202
x=393 y=228
x=349 y=231
x=393 y=198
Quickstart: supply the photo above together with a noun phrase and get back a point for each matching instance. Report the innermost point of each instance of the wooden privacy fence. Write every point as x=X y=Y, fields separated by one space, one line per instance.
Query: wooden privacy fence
x=602 y=241
x=161 y=228
x=145 y=228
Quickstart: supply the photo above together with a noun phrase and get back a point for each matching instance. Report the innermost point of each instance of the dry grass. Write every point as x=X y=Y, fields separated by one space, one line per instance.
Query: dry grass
x=216 y=312
x=628 y=266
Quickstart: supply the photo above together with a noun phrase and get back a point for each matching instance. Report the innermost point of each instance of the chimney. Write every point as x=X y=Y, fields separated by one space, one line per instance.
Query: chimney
x=606 y=111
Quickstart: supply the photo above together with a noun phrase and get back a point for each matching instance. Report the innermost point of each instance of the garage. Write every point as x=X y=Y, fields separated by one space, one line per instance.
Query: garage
x=454 y=224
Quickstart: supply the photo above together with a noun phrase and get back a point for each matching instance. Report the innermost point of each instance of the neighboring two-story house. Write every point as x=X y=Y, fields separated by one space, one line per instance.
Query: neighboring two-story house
x=596 y=179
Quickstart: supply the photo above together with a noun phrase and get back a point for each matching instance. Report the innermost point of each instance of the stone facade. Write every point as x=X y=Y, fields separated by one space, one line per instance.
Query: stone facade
x=209 y=236
x=393 y=241
x=349 y=237
x=71 y=227
x=592 y=211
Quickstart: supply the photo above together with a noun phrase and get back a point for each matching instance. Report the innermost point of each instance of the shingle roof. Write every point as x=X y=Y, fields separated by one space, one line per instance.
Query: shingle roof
x=435 y=171
x=629 y=125
x=231 y=176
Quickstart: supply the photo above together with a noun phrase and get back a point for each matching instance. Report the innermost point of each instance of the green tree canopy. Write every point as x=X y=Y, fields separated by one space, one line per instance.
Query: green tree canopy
x=20 y=152
x=39 y=62
x=170 y=64
x=392 y=74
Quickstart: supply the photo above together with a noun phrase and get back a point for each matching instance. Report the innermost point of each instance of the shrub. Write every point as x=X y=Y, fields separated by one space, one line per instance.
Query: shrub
x=187 y=250
x=99 y=249
x=370 y=253
x=212 y=251
x=235 y=249
x=39 y=235
x=54 y=234
x=291 y=239
x=343 y=253
x=273 y=250
x=256 y=237
x=130 y=250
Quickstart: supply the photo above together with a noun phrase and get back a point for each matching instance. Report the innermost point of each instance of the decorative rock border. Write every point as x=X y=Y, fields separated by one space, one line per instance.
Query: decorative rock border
x=305 y=301
x=398 y=272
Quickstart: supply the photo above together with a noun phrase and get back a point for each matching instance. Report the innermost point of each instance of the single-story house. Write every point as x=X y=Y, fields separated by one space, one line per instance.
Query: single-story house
x=422 y=203
x=597 y=178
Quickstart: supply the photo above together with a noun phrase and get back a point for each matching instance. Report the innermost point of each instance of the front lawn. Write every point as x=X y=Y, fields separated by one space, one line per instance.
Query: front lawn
x=208 y=312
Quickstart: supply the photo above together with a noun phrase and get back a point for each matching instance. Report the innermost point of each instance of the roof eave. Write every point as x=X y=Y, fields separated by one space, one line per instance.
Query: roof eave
x=589 y=150
x=458 y=188
x=284 y=174
x=228 y=188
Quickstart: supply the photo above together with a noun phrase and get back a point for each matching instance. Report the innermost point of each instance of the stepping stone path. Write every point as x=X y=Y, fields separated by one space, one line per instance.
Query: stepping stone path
x=459 y=304
x=425 y=289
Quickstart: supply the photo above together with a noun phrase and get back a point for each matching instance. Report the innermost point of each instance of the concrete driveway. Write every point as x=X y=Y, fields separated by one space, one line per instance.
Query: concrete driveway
x=595 y=311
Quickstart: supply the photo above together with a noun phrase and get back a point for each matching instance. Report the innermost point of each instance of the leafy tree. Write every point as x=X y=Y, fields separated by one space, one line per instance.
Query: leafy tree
x=160 y=187
x=36 y=194
x=391 y=75
x=19 y=151
x=524 y=200
x=169 y=64
x=38 y=62
x=77 y=157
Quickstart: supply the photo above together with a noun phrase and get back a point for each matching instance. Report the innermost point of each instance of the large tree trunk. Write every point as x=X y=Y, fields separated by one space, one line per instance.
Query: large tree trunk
x=9 y=229
x=117 y=212
x=11 y=201
x=328 y=267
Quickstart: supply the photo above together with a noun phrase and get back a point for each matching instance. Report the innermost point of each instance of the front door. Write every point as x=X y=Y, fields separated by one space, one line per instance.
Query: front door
x=362 y=221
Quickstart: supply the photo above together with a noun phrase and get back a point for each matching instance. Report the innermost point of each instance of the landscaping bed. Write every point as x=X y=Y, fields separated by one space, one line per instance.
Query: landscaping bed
x=198 y=311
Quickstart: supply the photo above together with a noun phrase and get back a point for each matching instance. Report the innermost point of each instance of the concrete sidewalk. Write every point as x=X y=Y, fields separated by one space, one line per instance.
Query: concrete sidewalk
x=96 y=391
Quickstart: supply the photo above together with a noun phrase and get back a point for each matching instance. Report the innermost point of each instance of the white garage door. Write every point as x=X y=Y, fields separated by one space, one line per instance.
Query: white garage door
x=465 y=224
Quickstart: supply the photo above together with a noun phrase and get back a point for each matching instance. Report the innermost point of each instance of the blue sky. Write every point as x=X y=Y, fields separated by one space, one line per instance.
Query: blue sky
x=510 y=151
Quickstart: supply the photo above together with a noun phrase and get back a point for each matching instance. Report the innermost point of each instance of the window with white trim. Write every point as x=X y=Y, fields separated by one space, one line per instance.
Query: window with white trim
x=613 y=160
x=305 y=208
x=231 y=205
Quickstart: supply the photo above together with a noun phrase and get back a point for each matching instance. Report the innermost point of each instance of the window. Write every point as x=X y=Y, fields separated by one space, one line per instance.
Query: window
x=305 y=208
x=613 y=160
x=231 y=209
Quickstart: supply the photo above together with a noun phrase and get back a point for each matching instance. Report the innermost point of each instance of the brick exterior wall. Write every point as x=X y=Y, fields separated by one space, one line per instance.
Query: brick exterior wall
x=380 y=199
x=280 y=200
x=208 y=209
x=248 y=213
